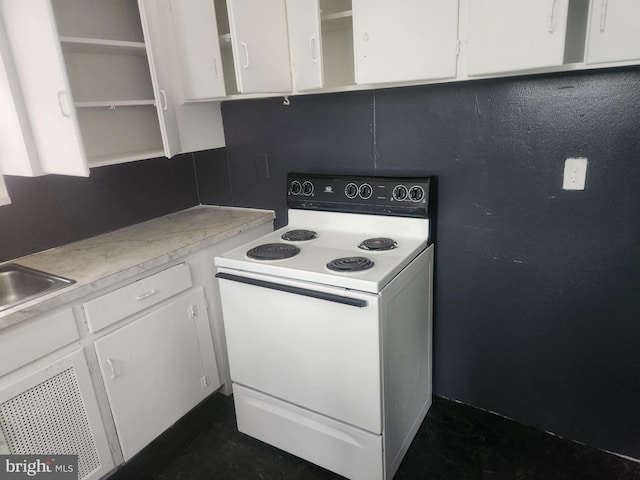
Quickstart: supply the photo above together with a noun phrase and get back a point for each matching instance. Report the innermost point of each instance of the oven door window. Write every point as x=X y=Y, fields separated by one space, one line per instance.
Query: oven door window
x=296 y=345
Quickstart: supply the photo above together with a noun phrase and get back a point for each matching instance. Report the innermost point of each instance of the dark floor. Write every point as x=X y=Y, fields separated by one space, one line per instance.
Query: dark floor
x=455 y=442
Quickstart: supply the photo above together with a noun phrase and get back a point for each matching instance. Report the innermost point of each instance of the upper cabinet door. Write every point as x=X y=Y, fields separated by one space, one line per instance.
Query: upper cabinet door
x=18 y=154
x=196 y=35
x=260 y=45
x=305 y=44
x=405 y=40
x=508 y=35
x=185 y=127
x=614 y=31
x=155 y=21
x=46 y=102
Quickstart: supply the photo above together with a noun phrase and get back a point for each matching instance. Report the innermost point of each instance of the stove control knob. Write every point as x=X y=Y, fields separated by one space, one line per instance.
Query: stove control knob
x=351 y=190
x=295 y=187
x=365 y=191
x=307 y=188
x=400 y=192
x=416 y=193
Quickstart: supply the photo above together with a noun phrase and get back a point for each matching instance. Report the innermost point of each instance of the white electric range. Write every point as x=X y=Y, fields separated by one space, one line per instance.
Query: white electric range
x=328 y=323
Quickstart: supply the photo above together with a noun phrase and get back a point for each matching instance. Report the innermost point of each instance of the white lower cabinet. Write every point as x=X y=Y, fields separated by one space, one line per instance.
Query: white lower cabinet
x=54 y=410
x=157 y=368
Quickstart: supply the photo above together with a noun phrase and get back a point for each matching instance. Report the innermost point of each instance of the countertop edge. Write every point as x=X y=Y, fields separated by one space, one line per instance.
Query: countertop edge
x=73 y=292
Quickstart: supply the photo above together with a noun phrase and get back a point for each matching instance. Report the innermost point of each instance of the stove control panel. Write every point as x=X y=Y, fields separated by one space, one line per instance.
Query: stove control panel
x=403 y=196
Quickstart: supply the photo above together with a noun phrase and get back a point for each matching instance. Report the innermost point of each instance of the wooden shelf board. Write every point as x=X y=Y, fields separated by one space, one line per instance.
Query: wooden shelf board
x=104 y=160
x=98 y=45
x=114 y=103
x=337 y=16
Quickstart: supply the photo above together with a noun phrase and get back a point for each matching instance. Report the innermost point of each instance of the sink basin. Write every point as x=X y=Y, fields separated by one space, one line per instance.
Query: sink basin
x=20 y=284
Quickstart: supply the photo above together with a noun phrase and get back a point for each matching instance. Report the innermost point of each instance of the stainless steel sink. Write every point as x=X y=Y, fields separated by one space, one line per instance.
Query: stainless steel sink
x=20 y=284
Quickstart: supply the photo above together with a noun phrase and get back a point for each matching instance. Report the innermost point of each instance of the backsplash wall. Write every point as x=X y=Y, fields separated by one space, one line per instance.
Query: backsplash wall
x=536 y=287
x=53 y=210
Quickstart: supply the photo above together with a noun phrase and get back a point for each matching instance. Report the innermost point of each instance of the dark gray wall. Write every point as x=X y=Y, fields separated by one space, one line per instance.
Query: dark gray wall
x=53 y=210
x=536 y=288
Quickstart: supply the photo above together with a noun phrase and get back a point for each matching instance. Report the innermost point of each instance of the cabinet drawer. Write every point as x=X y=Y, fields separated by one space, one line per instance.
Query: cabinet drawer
x=31 y=340
x=124 y=302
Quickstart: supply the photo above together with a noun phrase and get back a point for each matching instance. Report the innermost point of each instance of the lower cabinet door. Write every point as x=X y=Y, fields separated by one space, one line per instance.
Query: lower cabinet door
x=54 y=411
x=157 y=368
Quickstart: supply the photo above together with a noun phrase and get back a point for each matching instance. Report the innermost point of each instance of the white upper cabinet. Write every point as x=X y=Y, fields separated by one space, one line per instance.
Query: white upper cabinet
x=405 y=40
x=614 y=31
x=341 y=43
x=80 y=88
x=196 y=40
x=18 y=154
x=155 y=31
x=37 y=94
x=185 y=127
x=106 y=60
x=321 y=43
x=305 y=44
x=508 y=35
x=260 y=45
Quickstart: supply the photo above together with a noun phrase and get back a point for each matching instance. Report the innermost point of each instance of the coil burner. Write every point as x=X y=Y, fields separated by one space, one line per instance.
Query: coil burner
x=273 y=251
x=378 y=244
x=299 y=235
x=350 y=264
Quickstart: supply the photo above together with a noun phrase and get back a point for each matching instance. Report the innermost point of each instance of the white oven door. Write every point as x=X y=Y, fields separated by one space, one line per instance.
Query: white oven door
x=315 y=346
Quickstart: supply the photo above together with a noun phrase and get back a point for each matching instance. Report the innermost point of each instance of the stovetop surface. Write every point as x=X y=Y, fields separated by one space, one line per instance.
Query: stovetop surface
x=338 y=236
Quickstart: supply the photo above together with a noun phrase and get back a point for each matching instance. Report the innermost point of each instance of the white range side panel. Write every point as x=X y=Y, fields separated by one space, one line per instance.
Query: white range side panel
x=407 y=328
x=37 y=55
x=260 y=45
x=318 y=354
x=614 y=31
x=196 y=35
x=405 y=40
x=305 y=44
x=508 y=36
x=153 y=369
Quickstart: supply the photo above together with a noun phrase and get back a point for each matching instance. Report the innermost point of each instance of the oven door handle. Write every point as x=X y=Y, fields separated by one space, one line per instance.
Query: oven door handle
x=355 y=302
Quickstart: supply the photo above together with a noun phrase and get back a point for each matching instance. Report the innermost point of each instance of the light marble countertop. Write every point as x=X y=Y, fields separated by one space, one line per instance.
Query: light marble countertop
x=97 y=262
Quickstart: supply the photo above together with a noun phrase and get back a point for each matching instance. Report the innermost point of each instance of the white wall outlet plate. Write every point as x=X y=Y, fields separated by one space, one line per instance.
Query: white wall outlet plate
x=575 y=174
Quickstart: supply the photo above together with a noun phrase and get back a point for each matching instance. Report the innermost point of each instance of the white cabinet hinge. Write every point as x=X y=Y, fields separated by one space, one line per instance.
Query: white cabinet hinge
x=193 y=311
x=111 y=447
x=204 y=381
x=90 y=367
x=458 y=47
